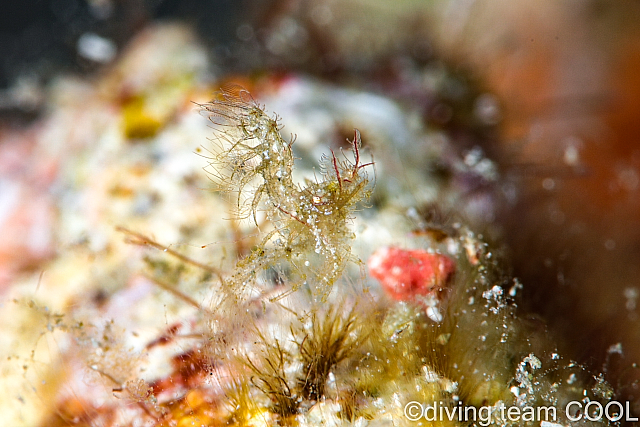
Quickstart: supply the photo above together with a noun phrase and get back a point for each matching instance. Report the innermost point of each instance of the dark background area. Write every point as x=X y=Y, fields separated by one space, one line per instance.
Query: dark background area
x=39 y=39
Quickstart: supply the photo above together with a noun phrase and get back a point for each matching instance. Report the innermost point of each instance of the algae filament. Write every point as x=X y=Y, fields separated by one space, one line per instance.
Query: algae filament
x=309 y=238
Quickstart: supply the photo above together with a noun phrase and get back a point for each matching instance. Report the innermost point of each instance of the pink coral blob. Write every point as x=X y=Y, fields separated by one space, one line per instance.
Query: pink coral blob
x=408 y=273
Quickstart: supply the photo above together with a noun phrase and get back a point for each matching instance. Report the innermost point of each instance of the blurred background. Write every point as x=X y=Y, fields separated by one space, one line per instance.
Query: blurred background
x=549 y=90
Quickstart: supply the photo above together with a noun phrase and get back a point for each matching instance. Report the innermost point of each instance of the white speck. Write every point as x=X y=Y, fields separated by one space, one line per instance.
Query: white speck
x=306 y=263
x=9 y=198
x=571 y=379
x=412 y=213
x=99 y=49
x=571 y=155
x=473 y=156
x=331 y=378
x=487 y=109
x=453 y=247
x=494 y=293
x=533 y=361
x=514 y=289
x=450 y=386
x=631 y=294
x=615 y=349
x=430 y=375
x=434 y=314
x=548 y=184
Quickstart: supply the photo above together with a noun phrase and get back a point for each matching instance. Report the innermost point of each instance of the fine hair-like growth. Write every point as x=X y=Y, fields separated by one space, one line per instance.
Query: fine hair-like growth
x=309 y=237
